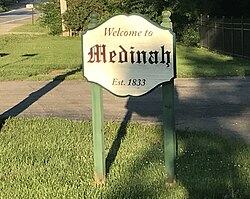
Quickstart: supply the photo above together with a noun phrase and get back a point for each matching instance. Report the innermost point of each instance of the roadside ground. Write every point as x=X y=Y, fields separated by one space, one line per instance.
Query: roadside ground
x=6 y=27
x=215 y=105
x=203 y=104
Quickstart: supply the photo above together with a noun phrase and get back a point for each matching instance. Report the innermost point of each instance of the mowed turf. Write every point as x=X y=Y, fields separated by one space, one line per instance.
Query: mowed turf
x=44 y=57
x=53 y=158
x=38 y=57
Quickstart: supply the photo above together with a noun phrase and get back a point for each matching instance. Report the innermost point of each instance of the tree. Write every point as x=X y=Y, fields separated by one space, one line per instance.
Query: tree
x=184 y=12
x=2 y=7
x=51 y=17
x=76 y=16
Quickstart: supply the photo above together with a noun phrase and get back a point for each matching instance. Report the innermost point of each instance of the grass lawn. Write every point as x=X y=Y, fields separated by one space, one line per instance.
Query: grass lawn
x=52 y=158
x=30 y=28
x=38 y=57
x=43 y=57
x=200 y=62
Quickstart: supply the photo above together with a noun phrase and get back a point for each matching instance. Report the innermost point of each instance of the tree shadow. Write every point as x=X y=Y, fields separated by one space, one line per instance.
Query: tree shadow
x=207 y=164
x=207 y=167
x=25 y=57
x=33 y=97
x=201 y=64
x=215 y=175
x=3 y=54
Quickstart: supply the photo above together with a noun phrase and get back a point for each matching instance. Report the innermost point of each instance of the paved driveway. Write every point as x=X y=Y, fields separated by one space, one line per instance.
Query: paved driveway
x=216 y=105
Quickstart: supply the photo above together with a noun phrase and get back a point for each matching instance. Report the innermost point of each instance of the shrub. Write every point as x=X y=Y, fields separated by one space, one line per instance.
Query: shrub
x=190 y=36
x=77 y=15
x=78 y=11
x=51 y=16
x=2 y=7
x=152 y=9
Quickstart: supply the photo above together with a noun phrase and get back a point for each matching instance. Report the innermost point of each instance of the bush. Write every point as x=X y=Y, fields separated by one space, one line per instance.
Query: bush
x=77 y=15
x=51 y=16
x=78 y=11
x=2 y=7
x=149 y=8
x=190 y=36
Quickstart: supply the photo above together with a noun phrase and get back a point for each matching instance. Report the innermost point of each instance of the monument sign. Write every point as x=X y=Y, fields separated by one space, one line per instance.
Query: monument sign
x=128 y=55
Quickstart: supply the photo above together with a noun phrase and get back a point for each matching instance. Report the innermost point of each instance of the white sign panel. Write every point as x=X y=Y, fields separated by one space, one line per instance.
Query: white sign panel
x=128 y=55
x=30 y=5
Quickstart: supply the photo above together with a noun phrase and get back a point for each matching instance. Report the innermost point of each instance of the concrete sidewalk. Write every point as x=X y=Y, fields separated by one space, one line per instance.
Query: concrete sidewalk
x=216 y=105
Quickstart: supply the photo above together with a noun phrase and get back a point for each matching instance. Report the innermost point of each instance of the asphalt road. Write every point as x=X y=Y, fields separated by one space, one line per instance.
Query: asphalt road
x=215 y=105
x=19 y=12
x=15 y=15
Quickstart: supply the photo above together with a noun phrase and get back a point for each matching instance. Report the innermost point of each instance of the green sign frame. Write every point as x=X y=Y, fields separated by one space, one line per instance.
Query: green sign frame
x=168 y=110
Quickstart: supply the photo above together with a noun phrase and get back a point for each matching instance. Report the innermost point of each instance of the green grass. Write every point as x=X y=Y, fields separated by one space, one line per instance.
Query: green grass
x=200 y=62
x=43 y=57
x=52 y=158
x=29 y=28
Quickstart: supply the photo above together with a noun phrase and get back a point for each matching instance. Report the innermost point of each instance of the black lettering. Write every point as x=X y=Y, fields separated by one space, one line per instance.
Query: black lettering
x=153 y=57
x=163 y=53
x=144 y=57
x=132 y=55
x=123 y=55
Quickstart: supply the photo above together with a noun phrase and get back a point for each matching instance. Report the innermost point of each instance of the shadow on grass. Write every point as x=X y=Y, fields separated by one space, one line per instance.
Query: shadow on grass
x=33 y=97
x=137 y=182
x=4 y=54
x=202 y=64
x=29 y=55
x=25 y=57
x=135 y=105
x=207 y=167
x=121 y=133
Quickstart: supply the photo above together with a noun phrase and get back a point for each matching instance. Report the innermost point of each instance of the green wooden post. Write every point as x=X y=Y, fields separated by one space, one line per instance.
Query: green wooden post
x=97 y=120
x=168 y=116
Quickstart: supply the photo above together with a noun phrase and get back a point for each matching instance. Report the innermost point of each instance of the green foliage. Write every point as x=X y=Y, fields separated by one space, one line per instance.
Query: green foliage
x=51 y=17
x=152 y=9
x=2 y=7
x=77 y=14
x=190 y=36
